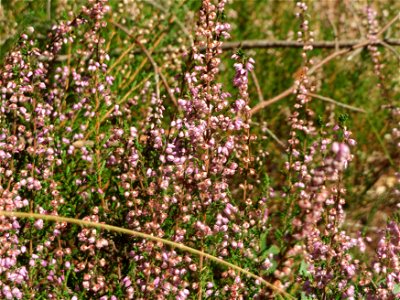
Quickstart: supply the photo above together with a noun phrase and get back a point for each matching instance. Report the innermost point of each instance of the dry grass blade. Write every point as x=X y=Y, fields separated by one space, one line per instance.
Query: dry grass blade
x=144 y=61
x=148 y=55
x=121 y=57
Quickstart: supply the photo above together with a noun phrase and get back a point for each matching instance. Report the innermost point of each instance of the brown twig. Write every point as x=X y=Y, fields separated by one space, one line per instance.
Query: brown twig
x=150 y=58
x=173 y=18
x=265 y=44
x=120 y=102
x=126 y=52
x=335 y=54
x=266 y=103
x=142 y=64
x=334 y=29
x=253 y=44
x=350 y=7
x=257 y=85
x=386 y=27
x=272 y=135
x=392 y=49
x=350 y=107
x=157 y=70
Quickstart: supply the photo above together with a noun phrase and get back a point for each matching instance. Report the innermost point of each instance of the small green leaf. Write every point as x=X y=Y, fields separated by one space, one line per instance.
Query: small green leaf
x=396 y=289
x=305 y=297
x=320 y=121
x=343 y=118
x=304 y=269
x=240 y=53
x=263 y=241
x=273 y=250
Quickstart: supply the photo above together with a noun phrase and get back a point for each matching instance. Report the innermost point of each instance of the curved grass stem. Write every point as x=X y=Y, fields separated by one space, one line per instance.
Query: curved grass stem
x=148 y=237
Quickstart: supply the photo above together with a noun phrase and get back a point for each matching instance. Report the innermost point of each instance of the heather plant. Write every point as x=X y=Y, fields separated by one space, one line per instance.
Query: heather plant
x=136 y=162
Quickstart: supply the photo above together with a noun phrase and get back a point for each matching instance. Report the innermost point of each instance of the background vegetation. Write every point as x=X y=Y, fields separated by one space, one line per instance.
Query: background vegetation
x=94 y=142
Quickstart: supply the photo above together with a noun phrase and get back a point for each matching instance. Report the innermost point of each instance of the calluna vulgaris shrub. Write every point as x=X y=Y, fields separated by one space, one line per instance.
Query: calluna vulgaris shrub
x=177 y=157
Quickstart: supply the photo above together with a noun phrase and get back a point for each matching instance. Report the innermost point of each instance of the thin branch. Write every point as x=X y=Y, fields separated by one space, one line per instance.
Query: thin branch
x=257 y=85
x=261 y=105
x=120 y=102
x=350 y=7
x=150 y=58
x=381 y=142
x=392 y=49
x=143 y=63
x=254 y=44
x=386 y=27
x=337 y=103
x=273 y=135
x=173 y=18
x=334 y=55
x=264 y=44
x=158 y=72
x=335 y=32
x=48 y=9
x=147 y=237
x=290 y=90
x=361 y=44
x=126 y=52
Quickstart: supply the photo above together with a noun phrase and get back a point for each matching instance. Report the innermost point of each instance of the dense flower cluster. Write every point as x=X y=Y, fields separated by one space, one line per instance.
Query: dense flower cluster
x=33 y=100
x=71 y=145
x=318 y=158
x=201 y=153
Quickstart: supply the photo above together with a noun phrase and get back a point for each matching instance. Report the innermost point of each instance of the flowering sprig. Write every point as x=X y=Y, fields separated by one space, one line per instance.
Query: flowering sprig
x=71 y=145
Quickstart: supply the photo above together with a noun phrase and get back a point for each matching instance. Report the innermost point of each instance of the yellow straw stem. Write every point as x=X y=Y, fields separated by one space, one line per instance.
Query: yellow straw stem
x=145 y=236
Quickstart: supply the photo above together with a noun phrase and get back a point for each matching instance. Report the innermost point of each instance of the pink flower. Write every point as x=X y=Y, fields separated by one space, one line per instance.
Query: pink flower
x=38 y=224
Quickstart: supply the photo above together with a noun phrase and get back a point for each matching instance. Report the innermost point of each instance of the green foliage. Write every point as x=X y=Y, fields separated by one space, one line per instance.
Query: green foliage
x=163 y=28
